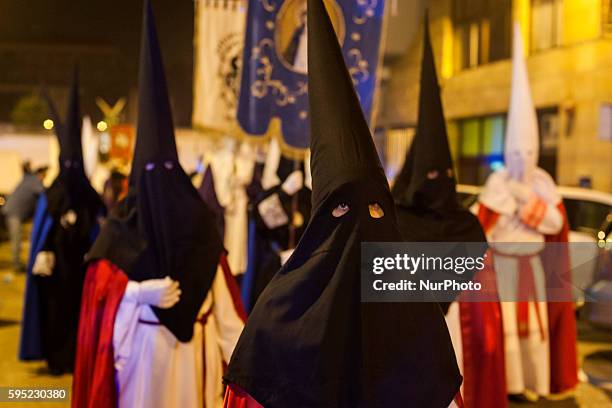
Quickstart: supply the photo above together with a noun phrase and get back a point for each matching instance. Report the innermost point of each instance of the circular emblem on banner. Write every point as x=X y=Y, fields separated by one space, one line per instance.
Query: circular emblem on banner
x=291 y=37
x=229 y=52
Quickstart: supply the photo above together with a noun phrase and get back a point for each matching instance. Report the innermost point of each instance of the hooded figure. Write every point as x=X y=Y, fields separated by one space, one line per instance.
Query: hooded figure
x=520 y=204
x=65 y=225
x=309 y=341
x=158 y=283
x=424 y=191
x=428 y=211
x=280 y=214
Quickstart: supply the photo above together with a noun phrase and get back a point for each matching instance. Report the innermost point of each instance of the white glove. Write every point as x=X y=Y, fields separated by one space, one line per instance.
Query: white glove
x=162 y=293
x=44 y=264
x=293 y=183
x=520 y=191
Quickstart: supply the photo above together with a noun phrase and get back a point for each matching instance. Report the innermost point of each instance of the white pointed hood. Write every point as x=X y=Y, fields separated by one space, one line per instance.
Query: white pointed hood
x=522 y=143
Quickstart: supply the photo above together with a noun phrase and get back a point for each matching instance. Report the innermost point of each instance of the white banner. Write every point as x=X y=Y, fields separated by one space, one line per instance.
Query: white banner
x=218 y=45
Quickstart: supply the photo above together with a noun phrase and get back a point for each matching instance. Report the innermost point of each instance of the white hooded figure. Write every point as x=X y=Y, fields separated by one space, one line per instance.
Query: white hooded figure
x=526 y=200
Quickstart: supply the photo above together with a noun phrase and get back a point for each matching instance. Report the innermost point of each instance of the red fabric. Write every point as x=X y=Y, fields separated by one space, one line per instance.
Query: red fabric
x=233 y=288
x=459 y=400
x=561 y=317
x=235 y=397
x=483 y=348
x=94 y=374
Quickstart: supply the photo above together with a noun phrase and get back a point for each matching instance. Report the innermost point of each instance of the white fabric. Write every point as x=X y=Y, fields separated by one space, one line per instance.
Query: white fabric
x=233 y=172
x=162 y=293
x=307 y=172
x=236 y=217
x=293 y=183
x=155 y=370
x=218 y=43
x=527 y=359
x=497 y=196
x=269 y=177
x=301 y=57
x=285 y=255
x=521 y=149
x=272 y=212
x=44 y=264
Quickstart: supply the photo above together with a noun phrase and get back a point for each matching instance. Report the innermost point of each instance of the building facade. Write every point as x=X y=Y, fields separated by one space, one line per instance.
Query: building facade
x=569 y=49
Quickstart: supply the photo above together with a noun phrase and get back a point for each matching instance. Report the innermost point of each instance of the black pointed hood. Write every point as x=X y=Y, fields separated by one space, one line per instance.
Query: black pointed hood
x=428 y=210
x=339 y=130
x=69 y=131
x=429 y=158
x=71 y=189
x=155 y=141
x=162 y=228
x=310 y=341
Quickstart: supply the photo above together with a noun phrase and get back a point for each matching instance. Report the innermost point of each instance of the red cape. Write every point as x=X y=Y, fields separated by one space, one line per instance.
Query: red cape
x=561 y=317
x=482 y=336
x=94 y=373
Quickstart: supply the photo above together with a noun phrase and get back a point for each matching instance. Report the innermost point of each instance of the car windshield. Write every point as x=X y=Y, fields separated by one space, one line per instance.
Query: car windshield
x=585 y=216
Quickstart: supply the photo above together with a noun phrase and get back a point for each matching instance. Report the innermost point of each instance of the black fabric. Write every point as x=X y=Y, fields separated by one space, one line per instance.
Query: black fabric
x=60 y=293
x=270 y=242
x=162 y=228
x=309 y=341
x=427 y=205
x=428 y=209
x=209 y=195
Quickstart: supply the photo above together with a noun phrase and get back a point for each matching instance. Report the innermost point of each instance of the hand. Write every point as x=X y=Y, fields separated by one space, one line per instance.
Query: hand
x=293 y=183
x=520 y=191
x=44 y=264
x=162 y=293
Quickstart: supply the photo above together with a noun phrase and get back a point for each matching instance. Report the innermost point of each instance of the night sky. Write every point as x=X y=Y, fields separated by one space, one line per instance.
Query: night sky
x=108 y=23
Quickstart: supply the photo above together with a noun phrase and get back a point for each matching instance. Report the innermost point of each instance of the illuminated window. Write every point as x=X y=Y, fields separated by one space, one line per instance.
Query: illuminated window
x=546 y=24
x=482 y=32
x=481 y=145
x=607 y=16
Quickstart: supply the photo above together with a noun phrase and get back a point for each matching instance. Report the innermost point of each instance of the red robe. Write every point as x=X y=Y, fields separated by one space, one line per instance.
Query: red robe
x=94 y=372
x=561 y=318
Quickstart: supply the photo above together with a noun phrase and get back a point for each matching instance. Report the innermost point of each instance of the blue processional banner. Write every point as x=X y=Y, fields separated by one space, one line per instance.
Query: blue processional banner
x=274 y=84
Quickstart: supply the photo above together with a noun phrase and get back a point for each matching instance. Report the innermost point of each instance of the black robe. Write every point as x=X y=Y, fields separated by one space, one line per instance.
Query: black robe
x=60 y=293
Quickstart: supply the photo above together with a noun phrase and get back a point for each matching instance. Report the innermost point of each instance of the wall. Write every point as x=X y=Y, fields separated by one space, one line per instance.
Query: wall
x=576 y=77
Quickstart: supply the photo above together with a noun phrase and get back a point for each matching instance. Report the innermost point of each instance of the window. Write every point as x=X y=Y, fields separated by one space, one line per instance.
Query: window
x=605 y=122
x=397 y=142
x=482 y=32
x=546 y=18
x=481 y=145
x=548 y=124
x=607 y=16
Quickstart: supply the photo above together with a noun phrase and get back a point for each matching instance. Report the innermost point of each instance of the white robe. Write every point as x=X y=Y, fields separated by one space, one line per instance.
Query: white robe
x=154 y=369
x=527 y=359
x=232 y=173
